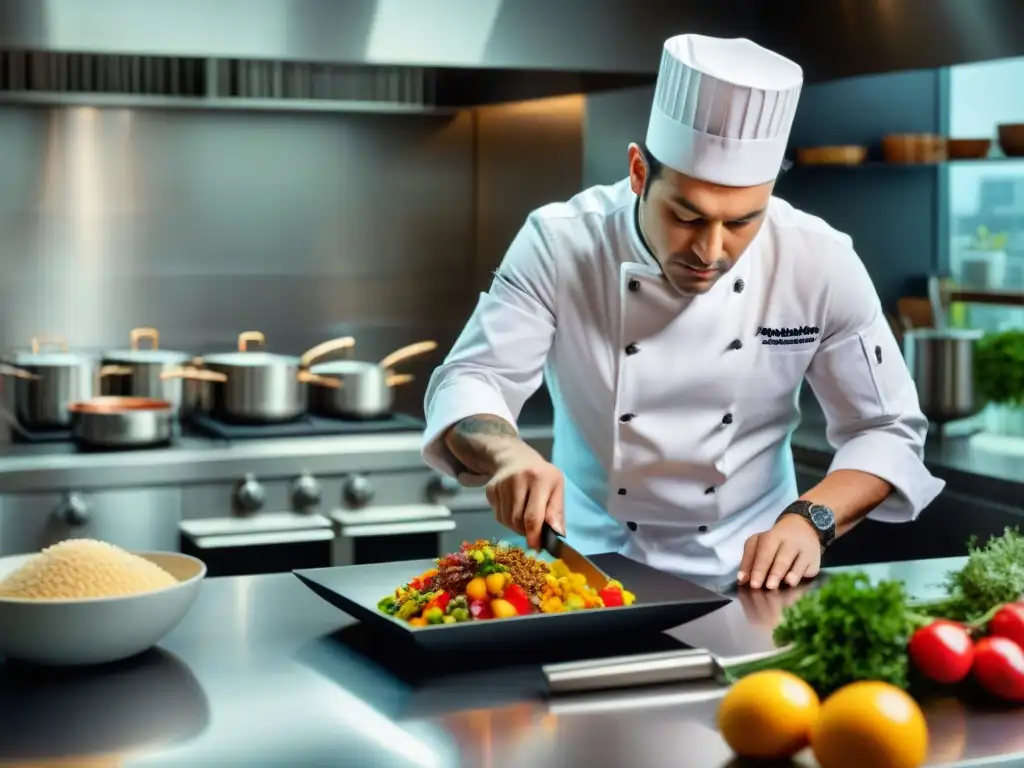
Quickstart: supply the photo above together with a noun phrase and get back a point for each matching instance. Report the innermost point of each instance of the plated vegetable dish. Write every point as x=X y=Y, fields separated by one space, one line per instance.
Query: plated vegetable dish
x=485 y=580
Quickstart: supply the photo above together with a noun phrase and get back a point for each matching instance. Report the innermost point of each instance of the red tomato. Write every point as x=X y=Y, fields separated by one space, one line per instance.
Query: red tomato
x=1009 y=622
x=942 y=651
x=999 y=667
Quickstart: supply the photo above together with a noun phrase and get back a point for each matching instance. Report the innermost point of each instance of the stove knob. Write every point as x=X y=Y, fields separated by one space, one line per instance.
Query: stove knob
x=443 y=487
x=249 y=495
x=358 y=490
x=305 y=492
x=72 y=511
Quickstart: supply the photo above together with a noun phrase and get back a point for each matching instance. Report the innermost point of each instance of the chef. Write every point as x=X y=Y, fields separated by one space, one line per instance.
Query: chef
x=674 y=316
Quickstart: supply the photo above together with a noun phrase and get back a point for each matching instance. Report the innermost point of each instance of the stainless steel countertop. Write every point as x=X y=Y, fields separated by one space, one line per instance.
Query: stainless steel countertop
x=263 y=673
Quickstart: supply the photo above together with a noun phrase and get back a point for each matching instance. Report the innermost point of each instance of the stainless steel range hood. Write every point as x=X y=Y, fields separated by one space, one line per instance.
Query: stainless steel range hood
x=410 y=55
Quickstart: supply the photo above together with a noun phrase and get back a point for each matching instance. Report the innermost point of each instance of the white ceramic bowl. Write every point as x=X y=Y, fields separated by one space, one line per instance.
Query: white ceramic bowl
x=100 y=629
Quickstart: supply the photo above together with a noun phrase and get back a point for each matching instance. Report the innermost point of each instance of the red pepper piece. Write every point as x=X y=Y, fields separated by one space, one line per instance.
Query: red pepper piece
x=441 y=601
x=611 y=597
x=517 y=596
x=416 y=583
x=481 y=609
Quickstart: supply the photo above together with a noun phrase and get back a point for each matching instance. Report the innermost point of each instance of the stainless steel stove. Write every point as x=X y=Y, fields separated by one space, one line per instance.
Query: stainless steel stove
x=248 y=503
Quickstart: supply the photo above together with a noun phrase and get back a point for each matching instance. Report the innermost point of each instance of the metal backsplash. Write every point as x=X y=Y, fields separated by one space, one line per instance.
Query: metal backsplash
x=205 y=224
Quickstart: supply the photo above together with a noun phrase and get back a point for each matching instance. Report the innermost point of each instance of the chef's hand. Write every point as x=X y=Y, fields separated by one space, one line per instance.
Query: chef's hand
x=789 y=552
x=526 y=491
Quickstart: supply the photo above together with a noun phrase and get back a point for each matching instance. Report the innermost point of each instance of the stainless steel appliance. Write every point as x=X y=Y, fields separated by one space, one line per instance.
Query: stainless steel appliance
x=246 y=504
x=942 y=365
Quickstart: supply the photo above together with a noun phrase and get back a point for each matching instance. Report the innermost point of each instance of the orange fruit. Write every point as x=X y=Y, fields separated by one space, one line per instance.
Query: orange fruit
x=768 y=715
x=870 y=724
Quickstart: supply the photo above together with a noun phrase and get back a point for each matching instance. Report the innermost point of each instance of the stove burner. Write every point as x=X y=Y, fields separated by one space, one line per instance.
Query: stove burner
x=307 y=426
x=28 y=436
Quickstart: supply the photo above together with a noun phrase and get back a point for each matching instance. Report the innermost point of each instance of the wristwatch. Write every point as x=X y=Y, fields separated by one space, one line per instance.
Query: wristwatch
x=819 y=516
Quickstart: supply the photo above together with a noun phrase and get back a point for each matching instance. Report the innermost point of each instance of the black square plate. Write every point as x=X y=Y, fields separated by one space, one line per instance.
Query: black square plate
x=663 y=601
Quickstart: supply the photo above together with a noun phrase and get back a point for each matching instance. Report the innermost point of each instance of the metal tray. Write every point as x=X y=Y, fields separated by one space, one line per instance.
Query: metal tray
x=663 y=601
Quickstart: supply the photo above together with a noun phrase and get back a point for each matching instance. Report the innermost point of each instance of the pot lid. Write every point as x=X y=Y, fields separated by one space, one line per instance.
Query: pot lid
x=343 y=368
x=250 y=359
x=147 y=356
x=51 y=359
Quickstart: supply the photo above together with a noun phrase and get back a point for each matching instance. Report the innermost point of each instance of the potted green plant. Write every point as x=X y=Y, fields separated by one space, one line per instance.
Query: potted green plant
x=999 y=374
x=983 y=260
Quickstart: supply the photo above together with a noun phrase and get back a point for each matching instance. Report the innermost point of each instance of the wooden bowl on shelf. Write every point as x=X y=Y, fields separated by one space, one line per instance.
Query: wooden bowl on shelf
x=968 y=149
x=912 y=148
x=838 y=155
x=1011 y=139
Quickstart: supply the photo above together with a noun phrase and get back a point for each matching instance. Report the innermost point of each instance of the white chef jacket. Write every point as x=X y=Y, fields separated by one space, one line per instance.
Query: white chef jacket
x=673 y=414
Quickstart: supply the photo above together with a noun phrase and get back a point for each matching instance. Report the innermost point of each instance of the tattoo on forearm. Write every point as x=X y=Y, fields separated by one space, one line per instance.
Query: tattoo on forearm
x=472 y=441
x=485 y=425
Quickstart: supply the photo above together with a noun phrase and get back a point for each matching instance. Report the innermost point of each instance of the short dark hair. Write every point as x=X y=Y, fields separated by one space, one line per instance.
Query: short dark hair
x=654 y=167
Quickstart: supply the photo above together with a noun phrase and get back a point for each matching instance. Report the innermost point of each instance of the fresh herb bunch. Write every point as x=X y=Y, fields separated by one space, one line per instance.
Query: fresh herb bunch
x=999 y=367
x=848 y=630
x=992 y=576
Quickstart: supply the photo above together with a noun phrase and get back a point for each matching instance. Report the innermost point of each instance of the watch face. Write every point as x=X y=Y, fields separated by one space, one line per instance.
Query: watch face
x=821 y=517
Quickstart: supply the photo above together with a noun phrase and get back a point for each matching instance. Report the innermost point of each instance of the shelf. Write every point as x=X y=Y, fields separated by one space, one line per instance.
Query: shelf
x=130 y=101
x=1000 y=298
x=877 y=164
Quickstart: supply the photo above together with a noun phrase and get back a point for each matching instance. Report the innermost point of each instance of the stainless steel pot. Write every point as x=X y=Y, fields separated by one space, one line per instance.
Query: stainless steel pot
x=56 y=378
x=367 y=389
x=259 y=386
x=145 y=367
x=122 y=422
x=942 y=365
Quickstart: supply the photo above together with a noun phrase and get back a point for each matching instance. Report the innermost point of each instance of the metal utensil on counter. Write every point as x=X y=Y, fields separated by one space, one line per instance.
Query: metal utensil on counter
x=367 y=389
x=556 y=546
x=935 y=298
x=259 y=386
x=620 y=672
x=145 y=367
x=941 y=362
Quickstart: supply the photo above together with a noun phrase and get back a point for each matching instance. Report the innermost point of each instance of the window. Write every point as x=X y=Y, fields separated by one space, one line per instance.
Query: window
x=987 y=194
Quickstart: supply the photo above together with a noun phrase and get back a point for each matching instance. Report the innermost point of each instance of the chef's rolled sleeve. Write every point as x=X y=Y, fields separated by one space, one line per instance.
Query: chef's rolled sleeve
x=870 y=402
x=497 y=362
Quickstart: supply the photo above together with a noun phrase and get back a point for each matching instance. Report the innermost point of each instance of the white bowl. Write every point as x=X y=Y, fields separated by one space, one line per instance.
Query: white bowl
x=96 y=630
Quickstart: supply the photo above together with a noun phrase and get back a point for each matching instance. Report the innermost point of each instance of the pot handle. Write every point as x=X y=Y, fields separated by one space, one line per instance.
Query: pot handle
x=193 y=374
x=113 y=370
x=321 y=381
x=248 y=337
x=412 y=350
x=39 y=342
x=310 y=356
x=18 y=373
x=398 y=379
x=138 y=334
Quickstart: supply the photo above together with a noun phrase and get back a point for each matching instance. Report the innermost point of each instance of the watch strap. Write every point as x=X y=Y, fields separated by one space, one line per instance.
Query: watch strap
x=813 y=514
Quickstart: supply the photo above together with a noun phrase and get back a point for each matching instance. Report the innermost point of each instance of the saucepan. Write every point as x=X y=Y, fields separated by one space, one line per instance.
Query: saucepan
x=121 y=422
x=145 y=366
x=367 y=389
x=260 y=386
x=47 y=380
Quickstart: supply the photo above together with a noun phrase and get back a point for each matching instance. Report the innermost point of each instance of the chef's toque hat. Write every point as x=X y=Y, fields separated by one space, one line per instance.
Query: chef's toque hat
x=723 y=110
